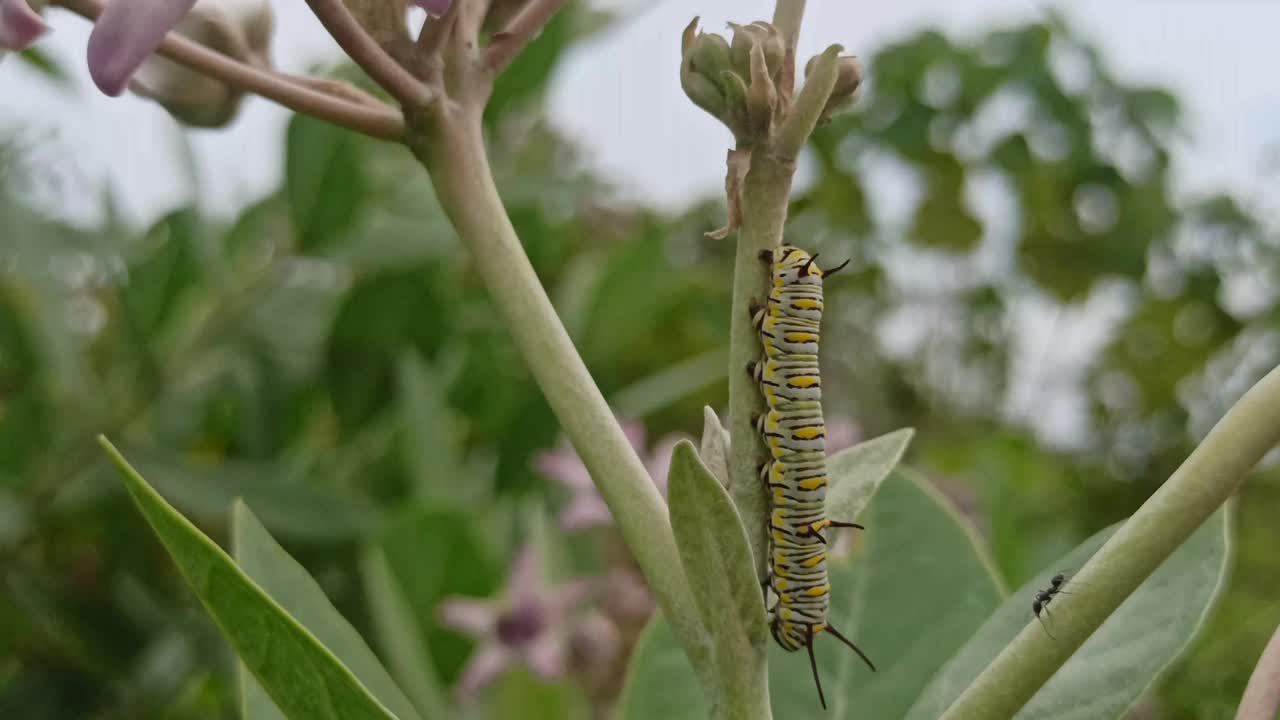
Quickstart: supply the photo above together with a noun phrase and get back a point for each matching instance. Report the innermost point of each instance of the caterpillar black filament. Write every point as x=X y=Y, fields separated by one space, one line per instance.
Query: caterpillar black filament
x=794 y=432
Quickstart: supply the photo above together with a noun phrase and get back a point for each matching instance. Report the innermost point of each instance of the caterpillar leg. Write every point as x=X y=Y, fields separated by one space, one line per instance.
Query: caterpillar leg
x=766 y=256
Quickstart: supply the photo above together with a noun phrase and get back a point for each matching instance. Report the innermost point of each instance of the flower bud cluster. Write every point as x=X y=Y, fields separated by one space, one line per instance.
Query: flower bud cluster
x=849 y=75
x=735 y=80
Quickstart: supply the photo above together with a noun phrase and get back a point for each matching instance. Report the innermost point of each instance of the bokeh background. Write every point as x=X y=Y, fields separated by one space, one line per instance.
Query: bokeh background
x=1065 y=258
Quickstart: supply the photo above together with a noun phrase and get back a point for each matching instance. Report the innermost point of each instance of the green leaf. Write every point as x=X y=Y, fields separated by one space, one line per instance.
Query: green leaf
x=717 y=562
x=290 y=585
x=671 y=384
x=288 y=504
x=302 y=676
x=400 y=636
x=43 y=63
x=1124 y=656
x=325 y=181
x=857 y=472
x=432 y=439
x=715 y=446
x=916 y=587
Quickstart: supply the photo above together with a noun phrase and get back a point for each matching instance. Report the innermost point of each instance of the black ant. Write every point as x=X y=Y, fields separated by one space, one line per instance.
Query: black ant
x=1042 y=598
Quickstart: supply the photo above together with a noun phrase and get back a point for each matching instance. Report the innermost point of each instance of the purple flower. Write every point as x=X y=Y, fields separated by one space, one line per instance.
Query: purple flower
x=19 y=25
x=586 y=509
x=529 y=624
x=434 y=7
x=126 y=34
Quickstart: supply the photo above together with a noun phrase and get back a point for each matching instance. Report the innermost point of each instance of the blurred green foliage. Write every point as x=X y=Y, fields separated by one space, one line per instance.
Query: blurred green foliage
x=331 y=357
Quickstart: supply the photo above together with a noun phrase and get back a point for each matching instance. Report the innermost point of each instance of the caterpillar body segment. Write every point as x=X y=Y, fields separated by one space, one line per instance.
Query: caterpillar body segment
x=798 y=590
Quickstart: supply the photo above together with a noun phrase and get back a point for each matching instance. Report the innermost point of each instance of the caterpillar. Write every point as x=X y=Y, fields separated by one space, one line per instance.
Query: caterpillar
x=796 y=474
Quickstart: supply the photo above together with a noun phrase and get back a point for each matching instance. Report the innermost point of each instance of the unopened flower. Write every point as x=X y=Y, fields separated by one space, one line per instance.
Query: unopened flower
x=20 y=25
x=849 y=74
x=240 y=29
x=586 y=509
x=529 y=624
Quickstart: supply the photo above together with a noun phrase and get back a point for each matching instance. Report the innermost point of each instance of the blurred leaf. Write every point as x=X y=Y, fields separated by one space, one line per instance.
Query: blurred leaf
x=520 y=694
x=325 y=180
x=41 y=62
x=910 y=594
x=670 y=384
x=1122 y=658
x=288 y=504
x=717 y=563
x=169 y=269
x=434 y=553
x=432 y=441
x=400 y=636
x=290 y=585
x=856 y=472
x=301 y=675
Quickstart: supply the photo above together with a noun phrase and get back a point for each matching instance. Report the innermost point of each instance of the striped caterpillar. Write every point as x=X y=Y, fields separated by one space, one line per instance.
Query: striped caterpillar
x=794 y=432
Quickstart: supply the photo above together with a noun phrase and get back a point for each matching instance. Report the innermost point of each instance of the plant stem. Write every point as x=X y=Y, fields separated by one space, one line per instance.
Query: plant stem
x=365 y=52
x=787 y=15
x=383 y=123
x=765 y=193
x=454 y=152
x=1262 y=695
x=519 y=32
x=1205 y=481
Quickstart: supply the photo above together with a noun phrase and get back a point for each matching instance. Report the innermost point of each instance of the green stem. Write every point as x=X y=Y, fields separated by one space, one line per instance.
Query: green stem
x=765 y=193
x=452 y=147
x=1207 y=478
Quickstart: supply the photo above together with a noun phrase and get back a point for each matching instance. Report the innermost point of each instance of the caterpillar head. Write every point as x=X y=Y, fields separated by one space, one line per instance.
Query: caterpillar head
x=789 y=265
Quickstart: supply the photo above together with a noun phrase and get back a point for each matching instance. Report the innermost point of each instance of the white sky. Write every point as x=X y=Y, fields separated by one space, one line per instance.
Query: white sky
x=619 y=98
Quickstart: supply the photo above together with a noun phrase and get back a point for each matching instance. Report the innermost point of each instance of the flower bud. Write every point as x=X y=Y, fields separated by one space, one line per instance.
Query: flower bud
x=241 y=30
x=762 y=97
x=849 y=74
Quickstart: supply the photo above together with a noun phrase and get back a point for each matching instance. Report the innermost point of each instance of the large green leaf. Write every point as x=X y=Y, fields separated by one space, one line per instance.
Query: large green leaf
x=302 y=676
x=717 y=563
x=1124 y=656
x=290 y=585
x=914 y=589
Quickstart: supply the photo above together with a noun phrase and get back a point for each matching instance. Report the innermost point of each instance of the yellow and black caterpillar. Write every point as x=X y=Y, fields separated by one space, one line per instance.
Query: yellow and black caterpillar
x=794 y=432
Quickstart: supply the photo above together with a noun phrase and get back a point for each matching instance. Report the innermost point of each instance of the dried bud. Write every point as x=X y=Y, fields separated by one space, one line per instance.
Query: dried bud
x=241 y=30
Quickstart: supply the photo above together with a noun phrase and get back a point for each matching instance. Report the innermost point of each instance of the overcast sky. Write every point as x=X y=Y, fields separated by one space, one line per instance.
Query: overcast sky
x=618 y=96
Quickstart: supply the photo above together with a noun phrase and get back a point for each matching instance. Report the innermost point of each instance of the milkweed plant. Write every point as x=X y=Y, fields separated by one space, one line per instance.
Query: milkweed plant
x=694 y=524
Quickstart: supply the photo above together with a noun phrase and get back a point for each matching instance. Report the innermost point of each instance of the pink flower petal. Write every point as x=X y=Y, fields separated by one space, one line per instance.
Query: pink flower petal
x=434 y=7
x=476 y=618
x=19 y=25
x=563 y=466
x=841 y=433
x=585 y=512
x=525 y=579
x=567 y=598
x=486 y=664
x=548 y=655
x=126 y=34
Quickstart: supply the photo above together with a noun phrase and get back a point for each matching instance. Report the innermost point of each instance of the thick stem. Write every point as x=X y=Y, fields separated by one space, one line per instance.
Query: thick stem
x=383 y=123
x=765 y=193
x=1205 y=481
x=1261 y=698
x=454 y=152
